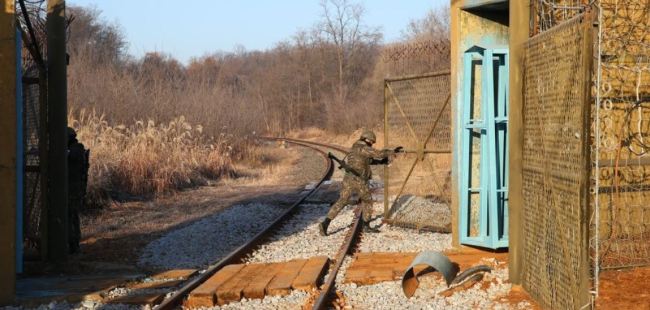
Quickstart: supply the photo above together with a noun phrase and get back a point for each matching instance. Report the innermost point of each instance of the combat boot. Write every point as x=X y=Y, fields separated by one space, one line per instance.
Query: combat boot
x=369 y=229
x=323 y=226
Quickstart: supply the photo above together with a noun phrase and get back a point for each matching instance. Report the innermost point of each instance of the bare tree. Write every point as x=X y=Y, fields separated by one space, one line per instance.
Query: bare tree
x=342 y=26
x=434 y=26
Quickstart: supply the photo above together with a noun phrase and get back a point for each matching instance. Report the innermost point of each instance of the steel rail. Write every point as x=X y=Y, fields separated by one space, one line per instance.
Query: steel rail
x=326 y=294
x=327 y=290
x=240 y=252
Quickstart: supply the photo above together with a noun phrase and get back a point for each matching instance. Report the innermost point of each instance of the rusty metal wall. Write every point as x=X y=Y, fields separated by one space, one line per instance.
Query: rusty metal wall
x=418 y=117
x=556 y=163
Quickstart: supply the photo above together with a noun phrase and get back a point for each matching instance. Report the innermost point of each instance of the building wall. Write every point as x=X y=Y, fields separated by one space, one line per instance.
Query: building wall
x=469 y=29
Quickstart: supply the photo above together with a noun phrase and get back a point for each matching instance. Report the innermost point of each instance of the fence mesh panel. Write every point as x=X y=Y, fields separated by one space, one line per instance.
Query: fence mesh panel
x=621 y=182
x=417 y=183
x=34 y=85
x=555 y=160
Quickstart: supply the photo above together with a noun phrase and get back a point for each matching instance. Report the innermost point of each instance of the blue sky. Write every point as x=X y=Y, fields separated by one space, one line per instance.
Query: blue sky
x=188 y=29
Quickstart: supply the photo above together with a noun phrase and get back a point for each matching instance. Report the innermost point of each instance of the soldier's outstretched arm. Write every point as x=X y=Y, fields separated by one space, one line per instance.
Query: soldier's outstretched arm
x=378 y=155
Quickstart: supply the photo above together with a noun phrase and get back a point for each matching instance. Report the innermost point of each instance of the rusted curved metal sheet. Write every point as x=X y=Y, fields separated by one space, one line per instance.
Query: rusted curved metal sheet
x=435 y=260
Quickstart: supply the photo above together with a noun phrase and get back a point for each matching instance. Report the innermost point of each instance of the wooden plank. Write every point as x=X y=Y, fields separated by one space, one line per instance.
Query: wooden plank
x=205 y=294
x=281 y=283
x=176 y=274
x=154 y=285
x=381 y=275
x=257 y=287
x=143 y=299
x=311 y=273
x=233 y=288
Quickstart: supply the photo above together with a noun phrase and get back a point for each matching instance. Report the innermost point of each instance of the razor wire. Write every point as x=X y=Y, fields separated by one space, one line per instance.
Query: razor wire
x=31 y=19
x=622 y=126
x=417 y=57
x=619 y=231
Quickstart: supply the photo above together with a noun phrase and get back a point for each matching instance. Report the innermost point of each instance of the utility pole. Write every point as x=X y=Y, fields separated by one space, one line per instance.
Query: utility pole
x=57 y=194
x=8 y=145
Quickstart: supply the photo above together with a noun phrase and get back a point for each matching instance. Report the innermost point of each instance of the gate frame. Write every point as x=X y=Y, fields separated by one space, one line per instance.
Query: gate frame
x=422 y=150
x=487 y=237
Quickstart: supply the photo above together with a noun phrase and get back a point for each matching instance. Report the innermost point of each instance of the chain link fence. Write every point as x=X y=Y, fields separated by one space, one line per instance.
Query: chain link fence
x=31 y=21
x=555 y=164
x=618 y=212
x=621 y=179
x=417 y=183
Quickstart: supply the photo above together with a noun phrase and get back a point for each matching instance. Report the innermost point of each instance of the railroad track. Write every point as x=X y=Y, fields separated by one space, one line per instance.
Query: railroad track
x=326 y=291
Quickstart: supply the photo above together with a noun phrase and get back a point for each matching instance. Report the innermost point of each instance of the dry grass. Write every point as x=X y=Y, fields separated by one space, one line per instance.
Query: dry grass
x=145 y=158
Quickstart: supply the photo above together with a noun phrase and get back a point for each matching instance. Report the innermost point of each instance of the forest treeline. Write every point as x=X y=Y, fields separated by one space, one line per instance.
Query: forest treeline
x=329 y=76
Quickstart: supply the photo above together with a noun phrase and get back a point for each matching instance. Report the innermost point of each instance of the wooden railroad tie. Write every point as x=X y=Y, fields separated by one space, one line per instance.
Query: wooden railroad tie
x=234 y=282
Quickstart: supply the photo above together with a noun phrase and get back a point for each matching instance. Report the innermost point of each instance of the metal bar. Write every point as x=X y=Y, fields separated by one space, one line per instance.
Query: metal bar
x=351 y=237
x=385 y=168
x=610 y=163
x=20 y=156
x=408 y=175
x=35 y=49
x=465 y=169
x=236 y=255
x=418 y=76
x=435 y=123
x=58 y=119
x=493 y=162
x=441 y=151
x=401 y=111
x=587 y=64
x=487 y=101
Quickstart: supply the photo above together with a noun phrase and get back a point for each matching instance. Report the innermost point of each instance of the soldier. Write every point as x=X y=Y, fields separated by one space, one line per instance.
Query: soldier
x=357 y=177
x=77 y=180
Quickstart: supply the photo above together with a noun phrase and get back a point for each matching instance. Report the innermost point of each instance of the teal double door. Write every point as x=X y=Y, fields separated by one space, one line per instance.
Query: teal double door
x=483 y=129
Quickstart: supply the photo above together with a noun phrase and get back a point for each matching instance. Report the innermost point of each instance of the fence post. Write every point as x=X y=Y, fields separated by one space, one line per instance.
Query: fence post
x=57 y=227
x=8 y=154
x=519 y=30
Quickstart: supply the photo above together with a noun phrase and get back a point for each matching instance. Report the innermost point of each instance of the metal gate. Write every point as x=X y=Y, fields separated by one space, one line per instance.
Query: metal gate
x=484 y=156
x=556 y=164
x=416 y=184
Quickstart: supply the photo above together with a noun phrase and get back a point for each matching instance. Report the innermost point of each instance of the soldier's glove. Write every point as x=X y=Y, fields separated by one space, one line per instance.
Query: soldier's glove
x=399 y=149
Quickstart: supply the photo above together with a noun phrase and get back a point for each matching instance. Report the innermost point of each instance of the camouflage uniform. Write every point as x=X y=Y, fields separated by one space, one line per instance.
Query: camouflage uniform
x=77 y=176
x=360 y=158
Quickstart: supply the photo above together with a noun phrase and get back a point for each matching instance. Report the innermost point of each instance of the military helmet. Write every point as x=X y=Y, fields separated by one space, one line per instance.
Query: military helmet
x=71 y=133
x=369 y=136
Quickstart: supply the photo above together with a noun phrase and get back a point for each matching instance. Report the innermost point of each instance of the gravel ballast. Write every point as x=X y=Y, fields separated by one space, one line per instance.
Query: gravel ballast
x=300 y=237
x=209 y=239
x=389 y=295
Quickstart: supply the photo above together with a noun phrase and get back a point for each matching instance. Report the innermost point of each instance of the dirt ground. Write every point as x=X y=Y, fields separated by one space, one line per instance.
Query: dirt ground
x=112 y=238
x=624 y=289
